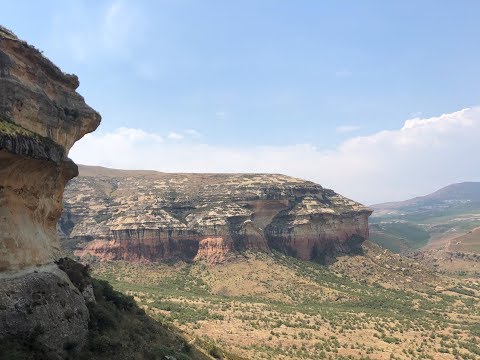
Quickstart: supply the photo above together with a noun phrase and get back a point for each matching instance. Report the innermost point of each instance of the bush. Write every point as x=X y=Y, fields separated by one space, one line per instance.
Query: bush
x=78 y=274
x=215 y=352
x=103 y=290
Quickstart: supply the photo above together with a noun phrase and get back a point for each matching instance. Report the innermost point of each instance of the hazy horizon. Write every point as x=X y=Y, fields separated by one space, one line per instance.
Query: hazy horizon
x=376 y=101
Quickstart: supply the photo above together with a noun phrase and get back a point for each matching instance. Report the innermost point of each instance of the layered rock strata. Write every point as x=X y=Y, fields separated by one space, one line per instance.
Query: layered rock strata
x=41 y=116
x=152 y=216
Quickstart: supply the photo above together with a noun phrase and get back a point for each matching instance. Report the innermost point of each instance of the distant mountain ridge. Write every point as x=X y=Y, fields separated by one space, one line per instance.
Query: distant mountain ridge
x=460 y=192
x=439 y=226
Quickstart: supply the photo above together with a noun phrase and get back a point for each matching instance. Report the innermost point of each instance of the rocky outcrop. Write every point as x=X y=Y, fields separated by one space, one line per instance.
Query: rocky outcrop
x=313 y=231
x=41 y=116
x=44 y=303
x=38 y=96
x=152 y=216
x=214 y=250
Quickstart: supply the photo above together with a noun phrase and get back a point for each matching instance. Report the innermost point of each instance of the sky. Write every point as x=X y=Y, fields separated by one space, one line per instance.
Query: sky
x=377 y=100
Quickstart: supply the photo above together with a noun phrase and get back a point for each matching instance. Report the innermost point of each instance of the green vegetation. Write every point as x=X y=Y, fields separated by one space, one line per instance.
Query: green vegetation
x=11 y=130
x=27 y=348
x=398 y=236
x=278 y=307
x=270 y=306
x=451 y=211
x=119 y=329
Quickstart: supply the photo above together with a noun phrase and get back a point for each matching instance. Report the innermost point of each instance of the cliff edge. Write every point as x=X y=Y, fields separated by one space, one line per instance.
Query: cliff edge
x=152 y=216
x=41 y=117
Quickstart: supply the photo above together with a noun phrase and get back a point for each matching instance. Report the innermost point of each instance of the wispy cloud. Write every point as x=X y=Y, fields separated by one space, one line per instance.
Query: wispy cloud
x=343 y=73
x=347 y=128
x=115 y=31
x=416 y=114
x=189 y=134
x=193 y=133
x=421 y=156
x=175 y=136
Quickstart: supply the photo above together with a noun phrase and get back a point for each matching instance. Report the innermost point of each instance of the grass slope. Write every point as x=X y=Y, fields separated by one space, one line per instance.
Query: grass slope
x=271 y=306
x=468 y=243
x=412 y=232
x=397 y=236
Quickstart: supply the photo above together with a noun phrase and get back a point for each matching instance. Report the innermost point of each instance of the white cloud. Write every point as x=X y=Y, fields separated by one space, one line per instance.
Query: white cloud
x=185 y=134
x=193 y=133
x=133 y=136
x=175 y=136
x=347 y=128
x=423 y=155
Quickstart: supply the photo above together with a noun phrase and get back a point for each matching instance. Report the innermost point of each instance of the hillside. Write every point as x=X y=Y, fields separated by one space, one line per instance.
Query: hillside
x=450 y=200
x=264 y=302
x=433 y=228
x=117 y=328
x=377 y=305
x=151 y=216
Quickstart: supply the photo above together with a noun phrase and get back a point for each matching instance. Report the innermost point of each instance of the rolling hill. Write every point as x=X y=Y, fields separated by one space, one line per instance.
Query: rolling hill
x=451 y=200
x=438 y=228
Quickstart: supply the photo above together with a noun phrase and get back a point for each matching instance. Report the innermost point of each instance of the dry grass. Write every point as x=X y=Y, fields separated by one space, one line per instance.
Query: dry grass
x=264 y=306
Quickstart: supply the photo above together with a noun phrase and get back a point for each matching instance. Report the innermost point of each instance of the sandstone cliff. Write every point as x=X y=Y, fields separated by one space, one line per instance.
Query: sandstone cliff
x=151 y=216
x=41 y=116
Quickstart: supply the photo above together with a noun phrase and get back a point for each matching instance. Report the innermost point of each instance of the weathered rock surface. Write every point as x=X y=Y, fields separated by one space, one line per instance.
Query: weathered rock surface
x=214 y=249
x=41 y=116
x=44 y=302
x=152 y=216
x=39 y=97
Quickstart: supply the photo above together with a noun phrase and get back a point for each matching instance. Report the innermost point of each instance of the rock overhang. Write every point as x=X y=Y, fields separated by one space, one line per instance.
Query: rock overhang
x=41 y=116
x=39 y=97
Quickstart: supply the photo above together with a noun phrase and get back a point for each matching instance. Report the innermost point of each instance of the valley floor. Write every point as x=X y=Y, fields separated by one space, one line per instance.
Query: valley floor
x=270 y=306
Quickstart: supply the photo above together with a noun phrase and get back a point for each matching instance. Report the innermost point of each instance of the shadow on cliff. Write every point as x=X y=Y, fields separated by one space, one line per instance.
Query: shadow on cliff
x=328 y=255
x=117 y=328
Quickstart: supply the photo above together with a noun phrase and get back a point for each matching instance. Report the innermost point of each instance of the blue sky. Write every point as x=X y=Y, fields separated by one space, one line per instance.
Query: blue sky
x=248 y=75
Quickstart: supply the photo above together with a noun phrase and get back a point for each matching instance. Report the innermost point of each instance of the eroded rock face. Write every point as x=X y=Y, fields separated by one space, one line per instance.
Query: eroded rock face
x=39 y=97
x=41 y=116
x=214 y=250
x=151 y=216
